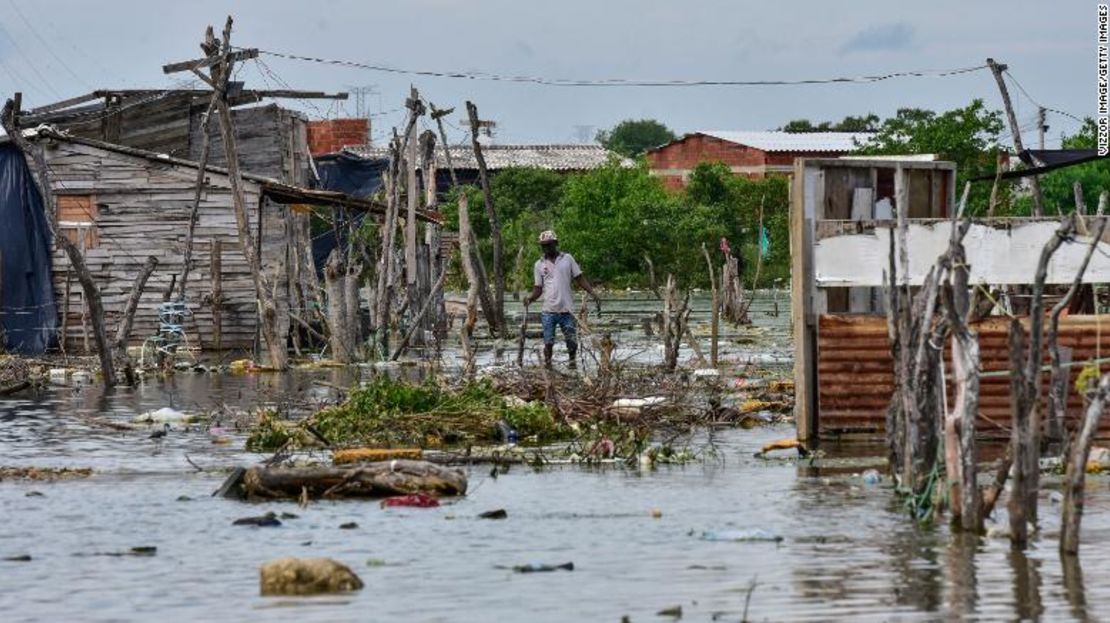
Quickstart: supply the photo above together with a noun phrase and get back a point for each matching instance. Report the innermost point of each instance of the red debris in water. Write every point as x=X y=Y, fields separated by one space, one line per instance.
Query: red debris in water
x=416 y=500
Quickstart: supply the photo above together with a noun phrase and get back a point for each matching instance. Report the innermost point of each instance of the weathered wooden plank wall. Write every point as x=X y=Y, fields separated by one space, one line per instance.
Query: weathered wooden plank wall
x=855 y=378
x=143 y=209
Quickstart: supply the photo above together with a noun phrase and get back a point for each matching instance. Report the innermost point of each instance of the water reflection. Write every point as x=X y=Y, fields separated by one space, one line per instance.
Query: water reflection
x=1074 y=589
x=1027 y=585
x=960 y=575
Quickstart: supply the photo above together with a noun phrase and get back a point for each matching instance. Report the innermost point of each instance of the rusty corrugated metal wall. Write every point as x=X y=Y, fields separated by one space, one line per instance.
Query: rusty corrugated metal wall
x=855 y=371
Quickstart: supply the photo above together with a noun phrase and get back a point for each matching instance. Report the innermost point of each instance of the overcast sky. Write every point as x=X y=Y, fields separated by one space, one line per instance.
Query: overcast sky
x=54 y=49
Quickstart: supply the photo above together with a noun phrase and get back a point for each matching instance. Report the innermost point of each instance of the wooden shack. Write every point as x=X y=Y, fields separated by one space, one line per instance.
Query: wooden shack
x=122 y=204
x=841 y=230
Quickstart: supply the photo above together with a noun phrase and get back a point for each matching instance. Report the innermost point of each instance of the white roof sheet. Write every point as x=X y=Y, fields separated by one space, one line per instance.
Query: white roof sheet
x=793 y=141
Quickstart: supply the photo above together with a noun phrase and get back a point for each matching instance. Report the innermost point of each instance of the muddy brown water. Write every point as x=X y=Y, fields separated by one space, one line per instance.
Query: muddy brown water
x=848 y=549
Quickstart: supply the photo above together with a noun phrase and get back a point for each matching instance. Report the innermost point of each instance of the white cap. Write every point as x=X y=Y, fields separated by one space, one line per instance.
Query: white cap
x=548 y=236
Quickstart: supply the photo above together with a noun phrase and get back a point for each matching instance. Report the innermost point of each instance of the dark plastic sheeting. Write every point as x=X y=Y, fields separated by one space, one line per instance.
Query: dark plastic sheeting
x=28 y=316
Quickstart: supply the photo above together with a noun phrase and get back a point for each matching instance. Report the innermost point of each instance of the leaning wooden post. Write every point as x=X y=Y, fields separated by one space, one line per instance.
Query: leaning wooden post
x=494 y=223
x=211 y=47
x=412 y=196
x=124 y=329
x=1015 y=130
x=1074 y=490
x=714 y=311
x=41 y=174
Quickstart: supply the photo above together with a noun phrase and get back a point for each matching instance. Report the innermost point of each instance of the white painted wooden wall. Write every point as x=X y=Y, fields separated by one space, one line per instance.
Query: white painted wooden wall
x=997 y=254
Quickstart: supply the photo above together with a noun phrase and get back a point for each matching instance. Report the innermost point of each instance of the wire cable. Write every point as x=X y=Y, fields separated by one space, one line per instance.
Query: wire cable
x=619 y=82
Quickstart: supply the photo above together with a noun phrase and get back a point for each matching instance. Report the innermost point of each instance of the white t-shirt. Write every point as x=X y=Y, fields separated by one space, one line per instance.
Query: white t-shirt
x=555 y=278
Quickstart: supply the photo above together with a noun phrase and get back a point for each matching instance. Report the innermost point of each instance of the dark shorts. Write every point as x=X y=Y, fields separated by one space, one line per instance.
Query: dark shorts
x=564 y=320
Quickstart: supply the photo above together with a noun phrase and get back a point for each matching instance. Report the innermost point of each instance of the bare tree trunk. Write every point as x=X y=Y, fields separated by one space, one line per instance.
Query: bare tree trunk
x=1021 y=437
x=1058 y=385
x=676 y=314
x=960 y=422
x=41 y=174
x=472 y=285
x=335 y=281
x=217 y=292
x=385 y=287
x=494 y=223
x=1074 y=490
x=714 y=310
x=479 y=264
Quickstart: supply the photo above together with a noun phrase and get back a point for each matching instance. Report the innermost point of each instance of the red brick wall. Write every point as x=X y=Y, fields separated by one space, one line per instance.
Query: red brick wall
x=686 y=154
x=331 y=135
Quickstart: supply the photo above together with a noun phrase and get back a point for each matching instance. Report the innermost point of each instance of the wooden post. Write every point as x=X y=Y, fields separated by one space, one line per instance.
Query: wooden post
x=124 y=329
x=714 y=310
x=216 y=277
x=65 y=318
x=1015 y=130
x=479 y=264
x=41 y=174
x=494 y=223
x=803 y=320
x=412 y=196
x=1041 y=127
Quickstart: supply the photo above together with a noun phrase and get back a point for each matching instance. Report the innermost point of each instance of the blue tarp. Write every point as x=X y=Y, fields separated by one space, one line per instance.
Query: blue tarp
x=28 y=316
x=350 y=174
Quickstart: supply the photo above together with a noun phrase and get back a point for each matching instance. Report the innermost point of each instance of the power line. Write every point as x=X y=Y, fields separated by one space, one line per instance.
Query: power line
x=46 y=45
x=1036 y=103
x=27 y=59
x=621 y=82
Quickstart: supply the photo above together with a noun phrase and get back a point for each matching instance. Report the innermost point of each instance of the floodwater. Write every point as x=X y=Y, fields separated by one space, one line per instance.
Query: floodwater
x=848 y=550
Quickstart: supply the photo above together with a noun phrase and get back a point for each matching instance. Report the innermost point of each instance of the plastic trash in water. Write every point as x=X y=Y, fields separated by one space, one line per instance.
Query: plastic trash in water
x=165 y=415
x=871 y=477
x=508 y=433
x=415 y=500
x=750 y=535
x=535 y=567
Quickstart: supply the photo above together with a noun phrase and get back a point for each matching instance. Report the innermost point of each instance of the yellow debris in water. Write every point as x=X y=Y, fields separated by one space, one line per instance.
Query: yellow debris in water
x=1094 y=467
x=360 y=455
x=656 y=513
x=780 y=444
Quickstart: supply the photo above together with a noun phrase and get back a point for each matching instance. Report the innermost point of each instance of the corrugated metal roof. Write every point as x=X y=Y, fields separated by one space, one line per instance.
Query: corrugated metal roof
x=554 y=157
x=793 y=141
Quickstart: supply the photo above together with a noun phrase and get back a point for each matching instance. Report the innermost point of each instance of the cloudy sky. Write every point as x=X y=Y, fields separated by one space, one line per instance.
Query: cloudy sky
x=54 y=49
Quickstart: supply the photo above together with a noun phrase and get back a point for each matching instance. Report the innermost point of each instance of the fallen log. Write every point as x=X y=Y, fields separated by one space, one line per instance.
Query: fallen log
x=398 y=477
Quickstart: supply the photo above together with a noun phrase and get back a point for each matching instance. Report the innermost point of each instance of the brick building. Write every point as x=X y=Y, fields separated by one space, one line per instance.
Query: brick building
x=754 y=154
x=330 y=136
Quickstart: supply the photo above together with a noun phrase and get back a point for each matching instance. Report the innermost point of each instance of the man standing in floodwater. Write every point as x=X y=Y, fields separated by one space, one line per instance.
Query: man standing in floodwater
x=553 y=274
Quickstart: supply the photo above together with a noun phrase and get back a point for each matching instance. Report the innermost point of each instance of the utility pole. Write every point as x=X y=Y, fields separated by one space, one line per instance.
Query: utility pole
x=221 y=60
x=997 y=69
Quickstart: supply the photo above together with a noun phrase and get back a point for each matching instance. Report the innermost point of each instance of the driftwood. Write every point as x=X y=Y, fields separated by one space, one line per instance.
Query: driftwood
x=1074 y=489
x=381 y=479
